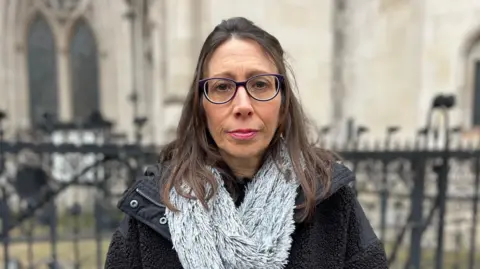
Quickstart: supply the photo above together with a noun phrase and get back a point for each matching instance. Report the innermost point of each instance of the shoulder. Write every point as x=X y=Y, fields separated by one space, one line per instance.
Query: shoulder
x=344 y=210
x=363 y=247
x=340 y=178
x=342 y=202
x=338 y=205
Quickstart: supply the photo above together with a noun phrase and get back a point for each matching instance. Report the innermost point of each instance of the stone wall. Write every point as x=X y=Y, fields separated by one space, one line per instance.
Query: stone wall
x=396 y=55
x=402 y=53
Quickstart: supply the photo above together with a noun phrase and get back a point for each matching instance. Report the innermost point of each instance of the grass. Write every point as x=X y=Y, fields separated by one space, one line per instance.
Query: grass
x=65 y=250
x=88 y=254
x=451 y=259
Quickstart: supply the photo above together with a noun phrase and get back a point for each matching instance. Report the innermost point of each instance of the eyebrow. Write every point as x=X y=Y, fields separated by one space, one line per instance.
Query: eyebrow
x=250 y=73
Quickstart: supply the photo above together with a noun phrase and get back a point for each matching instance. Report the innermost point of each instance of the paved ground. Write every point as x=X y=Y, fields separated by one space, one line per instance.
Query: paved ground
x=41 y=250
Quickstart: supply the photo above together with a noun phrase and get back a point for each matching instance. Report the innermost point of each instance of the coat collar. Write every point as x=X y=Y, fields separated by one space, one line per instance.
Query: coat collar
x=142 y=200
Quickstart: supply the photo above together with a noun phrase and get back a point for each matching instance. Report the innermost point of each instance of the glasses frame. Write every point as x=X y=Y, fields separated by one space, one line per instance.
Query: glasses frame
x=280 y=78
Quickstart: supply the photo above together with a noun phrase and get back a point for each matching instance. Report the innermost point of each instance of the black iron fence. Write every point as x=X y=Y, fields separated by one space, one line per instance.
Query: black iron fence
x=59 y=190
x=44 y=214
x=399 y=190
x=422 y=203
x=59 y=187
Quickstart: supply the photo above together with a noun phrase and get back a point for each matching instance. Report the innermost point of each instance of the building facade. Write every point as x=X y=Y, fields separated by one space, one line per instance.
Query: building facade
x=376 y=63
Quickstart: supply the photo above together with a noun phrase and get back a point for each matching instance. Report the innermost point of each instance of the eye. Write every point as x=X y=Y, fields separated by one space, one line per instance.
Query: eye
x=222 y=87
x=260 y=84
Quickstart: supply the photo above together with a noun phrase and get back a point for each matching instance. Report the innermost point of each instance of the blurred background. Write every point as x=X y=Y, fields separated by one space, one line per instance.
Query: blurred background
x=89 y=90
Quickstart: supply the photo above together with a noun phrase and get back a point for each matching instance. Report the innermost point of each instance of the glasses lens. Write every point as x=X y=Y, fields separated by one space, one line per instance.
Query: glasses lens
x=263 y=87
x=219 y=90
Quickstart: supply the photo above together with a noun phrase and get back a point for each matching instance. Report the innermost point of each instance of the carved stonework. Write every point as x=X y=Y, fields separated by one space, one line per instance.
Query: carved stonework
x=64 y=10
x=62 y=6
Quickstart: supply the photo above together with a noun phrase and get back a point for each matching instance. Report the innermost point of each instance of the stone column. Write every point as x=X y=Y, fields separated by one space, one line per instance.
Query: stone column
x=338 y=87
x=3 y=67
x=8 y=34
x=63 y=71
x=181 y=51
x=158 y=78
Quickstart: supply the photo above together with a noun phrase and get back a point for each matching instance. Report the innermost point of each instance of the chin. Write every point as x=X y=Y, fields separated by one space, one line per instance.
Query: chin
x=245 y=151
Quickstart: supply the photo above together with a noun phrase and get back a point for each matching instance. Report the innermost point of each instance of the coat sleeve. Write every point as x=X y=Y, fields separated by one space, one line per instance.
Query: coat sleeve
x=364 y=249
x=123 y=248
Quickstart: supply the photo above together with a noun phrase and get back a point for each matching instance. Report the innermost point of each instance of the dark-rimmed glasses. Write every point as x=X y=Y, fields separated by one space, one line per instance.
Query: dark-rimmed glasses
x=222 y=90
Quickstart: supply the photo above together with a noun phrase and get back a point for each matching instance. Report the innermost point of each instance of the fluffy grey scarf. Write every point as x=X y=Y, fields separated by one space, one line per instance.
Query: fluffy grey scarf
x=255 y=235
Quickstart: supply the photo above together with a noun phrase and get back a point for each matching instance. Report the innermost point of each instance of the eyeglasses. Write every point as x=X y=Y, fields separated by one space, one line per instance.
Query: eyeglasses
x=222 y=90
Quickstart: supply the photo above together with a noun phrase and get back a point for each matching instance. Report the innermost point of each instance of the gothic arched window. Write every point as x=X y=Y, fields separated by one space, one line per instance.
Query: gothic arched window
x=42 y=70
x=84 y=71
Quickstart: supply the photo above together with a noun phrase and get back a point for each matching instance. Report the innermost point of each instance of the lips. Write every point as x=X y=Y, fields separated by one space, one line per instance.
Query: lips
x=243 y=134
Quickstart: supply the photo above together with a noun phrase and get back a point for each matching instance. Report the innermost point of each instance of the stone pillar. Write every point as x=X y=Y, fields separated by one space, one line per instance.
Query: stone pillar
x=338 y=59
x=157 y=116
x=8 y=85
x=181 y=51
x=63 y=71
x=3 y=67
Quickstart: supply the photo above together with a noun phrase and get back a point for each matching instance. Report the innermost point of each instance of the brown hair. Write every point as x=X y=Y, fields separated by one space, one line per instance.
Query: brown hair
x=194 y=149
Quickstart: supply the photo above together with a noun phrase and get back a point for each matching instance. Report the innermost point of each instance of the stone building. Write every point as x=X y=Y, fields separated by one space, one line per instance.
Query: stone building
x=376 y=62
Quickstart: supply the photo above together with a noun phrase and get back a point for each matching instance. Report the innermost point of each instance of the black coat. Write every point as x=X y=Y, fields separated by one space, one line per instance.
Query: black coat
x=340 y=235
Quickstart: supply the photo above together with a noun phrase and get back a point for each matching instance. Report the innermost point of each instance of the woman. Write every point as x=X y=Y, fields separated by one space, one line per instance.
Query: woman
x=241 y=186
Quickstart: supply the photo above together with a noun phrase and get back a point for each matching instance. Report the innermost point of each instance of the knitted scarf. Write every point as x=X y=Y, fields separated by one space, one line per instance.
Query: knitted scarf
x=257 y=234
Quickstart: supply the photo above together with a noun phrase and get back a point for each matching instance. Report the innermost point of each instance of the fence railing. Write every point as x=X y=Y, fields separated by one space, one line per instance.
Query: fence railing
x=401 y=192
x=59 y=192
x=58 y=197
x=68 y=221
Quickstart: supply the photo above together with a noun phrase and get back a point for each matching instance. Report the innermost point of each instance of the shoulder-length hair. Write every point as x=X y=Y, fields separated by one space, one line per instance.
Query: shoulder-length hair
x=193 y=149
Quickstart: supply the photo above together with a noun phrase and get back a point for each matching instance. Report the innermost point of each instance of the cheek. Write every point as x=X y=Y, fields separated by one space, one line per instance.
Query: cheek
x=214 y=120
x=271 y=117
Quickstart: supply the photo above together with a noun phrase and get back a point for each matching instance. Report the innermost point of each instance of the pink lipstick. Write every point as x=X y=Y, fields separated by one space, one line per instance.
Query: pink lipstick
x=243 y=134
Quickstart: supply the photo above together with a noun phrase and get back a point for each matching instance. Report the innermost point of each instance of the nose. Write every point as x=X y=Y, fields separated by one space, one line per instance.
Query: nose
x=242 y=104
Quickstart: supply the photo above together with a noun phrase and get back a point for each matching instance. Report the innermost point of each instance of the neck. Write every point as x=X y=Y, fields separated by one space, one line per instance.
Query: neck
x=242 y=167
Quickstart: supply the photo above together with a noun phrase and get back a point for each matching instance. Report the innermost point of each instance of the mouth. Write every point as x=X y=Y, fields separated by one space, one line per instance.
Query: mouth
x=243 y=134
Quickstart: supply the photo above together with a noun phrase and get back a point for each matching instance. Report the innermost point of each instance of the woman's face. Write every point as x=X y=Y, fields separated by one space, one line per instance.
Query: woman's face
x=243 y=127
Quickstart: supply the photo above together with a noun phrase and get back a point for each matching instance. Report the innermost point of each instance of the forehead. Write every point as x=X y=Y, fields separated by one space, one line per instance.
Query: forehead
x=240 y=59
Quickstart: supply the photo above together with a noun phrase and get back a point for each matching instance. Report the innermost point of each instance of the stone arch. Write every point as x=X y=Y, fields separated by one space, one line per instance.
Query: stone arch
x=470 y=94
x=472 y=37
x=83 y=53
x=41 y=69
